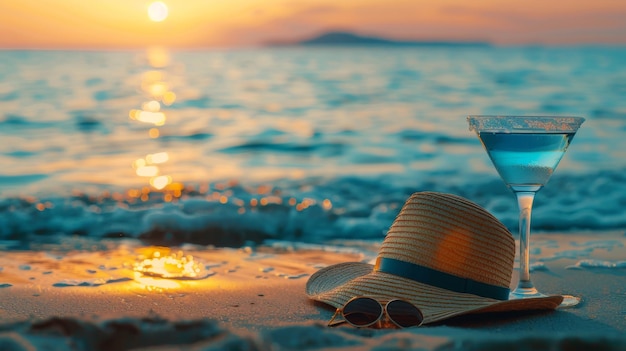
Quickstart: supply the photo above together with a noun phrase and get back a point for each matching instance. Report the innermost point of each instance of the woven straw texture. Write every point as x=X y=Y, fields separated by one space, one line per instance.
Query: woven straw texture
x=439 y=231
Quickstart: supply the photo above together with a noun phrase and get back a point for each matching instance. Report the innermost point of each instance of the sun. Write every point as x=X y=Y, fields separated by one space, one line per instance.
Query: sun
x=157 y=11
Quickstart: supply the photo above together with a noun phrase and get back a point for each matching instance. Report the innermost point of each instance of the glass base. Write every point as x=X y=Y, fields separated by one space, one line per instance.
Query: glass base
x=529 y=293
x=525 y=293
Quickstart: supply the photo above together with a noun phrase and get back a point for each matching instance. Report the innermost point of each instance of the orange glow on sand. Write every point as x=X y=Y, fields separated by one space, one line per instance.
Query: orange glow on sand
x=157 y=266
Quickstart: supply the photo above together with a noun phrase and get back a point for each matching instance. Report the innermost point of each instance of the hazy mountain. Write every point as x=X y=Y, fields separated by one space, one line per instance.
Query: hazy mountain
x=347 y=38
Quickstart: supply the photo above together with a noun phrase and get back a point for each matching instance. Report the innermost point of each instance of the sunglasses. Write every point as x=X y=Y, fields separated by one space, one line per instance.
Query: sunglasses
x=363 y=312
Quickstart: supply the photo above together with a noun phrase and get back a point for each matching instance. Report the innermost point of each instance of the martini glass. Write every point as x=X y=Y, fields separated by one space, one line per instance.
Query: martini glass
x=525 y=151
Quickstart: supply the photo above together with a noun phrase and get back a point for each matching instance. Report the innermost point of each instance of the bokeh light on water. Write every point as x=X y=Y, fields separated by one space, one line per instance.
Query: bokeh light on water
x=156 y=89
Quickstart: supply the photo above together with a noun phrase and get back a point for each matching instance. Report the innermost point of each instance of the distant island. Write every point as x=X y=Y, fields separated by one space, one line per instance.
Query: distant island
x=352 y=39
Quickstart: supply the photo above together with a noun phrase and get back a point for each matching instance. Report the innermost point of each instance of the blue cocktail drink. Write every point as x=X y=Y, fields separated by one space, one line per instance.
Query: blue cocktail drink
x=526 y=150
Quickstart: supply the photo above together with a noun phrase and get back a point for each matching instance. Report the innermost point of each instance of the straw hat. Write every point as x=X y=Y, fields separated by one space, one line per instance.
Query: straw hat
x=445 y=254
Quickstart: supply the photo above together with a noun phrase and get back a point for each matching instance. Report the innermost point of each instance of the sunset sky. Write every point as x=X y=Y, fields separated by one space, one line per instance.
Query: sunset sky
x=59 y=24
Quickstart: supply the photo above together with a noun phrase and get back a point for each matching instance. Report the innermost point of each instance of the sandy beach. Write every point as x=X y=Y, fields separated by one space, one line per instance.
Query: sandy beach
x=65 y=297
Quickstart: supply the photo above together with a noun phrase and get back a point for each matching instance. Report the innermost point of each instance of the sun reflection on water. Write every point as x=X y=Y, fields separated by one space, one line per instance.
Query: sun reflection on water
x=160 y=182
x=158 y=94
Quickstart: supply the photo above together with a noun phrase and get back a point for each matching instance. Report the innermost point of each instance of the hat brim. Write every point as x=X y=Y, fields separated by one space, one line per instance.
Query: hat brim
x=337 y=284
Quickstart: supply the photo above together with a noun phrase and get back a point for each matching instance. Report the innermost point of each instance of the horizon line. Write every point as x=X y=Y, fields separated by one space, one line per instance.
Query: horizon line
x=278 y=45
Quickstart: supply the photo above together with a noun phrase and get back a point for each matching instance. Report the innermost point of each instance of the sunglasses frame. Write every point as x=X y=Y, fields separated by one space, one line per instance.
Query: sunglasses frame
x=379 y=319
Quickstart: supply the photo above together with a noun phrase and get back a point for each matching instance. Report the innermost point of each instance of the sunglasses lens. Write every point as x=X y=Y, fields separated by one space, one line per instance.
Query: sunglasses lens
x=404 y=314
x=362 y=311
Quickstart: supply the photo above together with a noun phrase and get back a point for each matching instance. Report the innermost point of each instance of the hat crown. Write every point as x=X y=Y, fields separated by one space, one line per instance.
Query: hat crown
x=449 y=234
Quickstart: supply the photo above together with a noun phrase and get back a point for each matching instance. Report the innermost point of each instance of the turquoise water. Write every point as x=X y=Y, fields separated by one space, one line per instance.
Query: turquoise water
x=293 y=143
x=525 y=161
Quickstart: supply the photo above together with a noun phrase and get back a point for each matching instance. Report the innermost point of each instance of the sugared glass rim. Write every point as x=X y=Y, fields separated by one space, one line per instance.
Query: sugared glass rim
x=524 y=124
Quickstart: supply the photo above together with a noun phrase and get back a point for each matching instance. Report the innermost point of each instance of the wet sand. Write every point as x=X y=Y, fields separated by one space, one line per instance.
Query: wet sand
x=253 y=298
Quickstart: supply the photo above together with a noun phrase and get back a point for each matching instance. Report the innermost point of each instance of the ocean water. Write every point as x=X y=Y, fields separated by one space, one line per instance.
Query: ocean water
x=232 y=147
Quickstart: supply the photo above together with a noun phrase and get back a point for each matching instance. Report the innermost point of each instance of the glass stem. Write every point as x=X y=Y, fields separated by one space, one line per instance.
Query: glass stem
x=525 y=204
